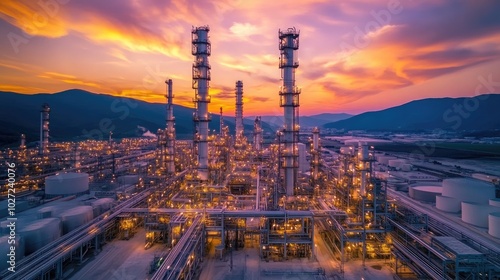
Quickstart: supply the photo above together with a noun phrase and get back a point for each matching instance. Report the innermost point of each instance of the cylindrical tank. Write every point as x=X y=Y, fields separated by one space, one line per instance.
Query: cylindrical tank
x=6 y=253
x=40 y=233
x=66 y=184
x=424 y=193
x=477 y=214
x=102 y=205
x=448 y=204
x=495 y=202
x=467 y=189
x=494 y=224
x=75 y=217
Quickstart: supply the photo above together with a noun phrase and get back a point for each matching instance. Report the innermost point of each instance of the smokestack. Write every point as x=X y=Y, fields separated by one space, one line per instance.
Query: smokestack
x=221 y=122
x=170 y=130
x=239 y=109
x=44 y=129
x=257 y=134
x=363 y=158
x=315 y=153
x=201 y=77
x=23 y=142
x=289 y=100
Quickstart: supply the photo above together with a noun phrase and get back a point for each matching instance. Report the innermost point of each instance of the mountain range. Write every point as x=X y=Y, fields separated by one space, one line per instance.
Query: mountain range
x=479 y=113
x=77 y=114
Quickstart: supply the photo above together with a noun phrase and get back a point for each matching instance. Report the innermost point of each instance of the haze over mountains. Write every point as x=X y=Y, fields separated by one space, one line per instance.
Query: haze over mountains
x=78 y=114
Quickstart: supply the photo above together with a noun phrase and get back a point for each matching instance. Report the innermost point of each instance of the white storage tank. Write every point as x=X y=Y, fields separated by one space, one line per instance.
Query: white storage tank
x=448 y=204
x=102 y=205
x=75 y=217
x=5 y=251
x=494 y=224
x=477 y=214
x=424 y=193
x=66 y=184
x=40 y=233
x=467 y=189
x=495 y=202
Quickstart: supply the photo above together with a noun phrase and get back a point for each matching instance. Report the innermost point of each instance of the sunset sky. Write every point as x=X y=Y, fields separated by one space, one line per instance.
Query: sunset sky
x=355 y=55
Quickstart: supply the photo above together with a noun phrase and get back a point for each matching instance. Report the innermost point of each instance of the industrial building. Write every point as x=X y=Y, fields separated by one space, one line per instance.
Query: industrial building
x=226 y=205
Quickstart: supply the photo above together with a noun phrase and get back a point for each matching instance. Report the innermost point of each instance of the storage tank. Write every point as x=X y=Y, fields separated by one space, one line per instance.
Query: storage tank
x=75 y=217
x=495 y=202
x=467 y=189
x=102 y=205
x=494 y=224
x=5 y=251
x=477 y=214
x=40 y=233
x=66 y=184
x=448 y=204
x=424 y=193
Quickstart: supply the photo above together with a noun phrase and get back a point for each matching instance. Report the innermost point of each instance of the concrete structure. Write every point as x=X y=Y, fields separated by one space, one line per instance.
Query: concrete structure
x=66 y=184
x=289 y=100
x=239 y=109
x=44 y=129
x=201 y=77
x=170 y=131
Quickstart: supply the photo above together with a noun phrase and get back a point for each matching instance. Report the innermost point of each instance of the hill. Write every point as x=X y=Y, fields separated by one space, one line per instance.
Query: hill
x=479 y=113
x=77 y=114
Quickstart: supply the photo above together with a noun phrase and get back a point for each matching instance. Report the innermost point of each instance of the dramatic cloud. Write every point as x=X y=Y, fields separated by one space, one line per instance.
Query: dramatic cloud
x=350 y=51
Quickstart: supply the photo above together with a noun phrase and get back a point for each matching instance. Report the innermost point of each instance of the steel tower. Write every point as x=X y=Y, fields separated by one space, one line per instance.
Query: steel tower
x=170 y=130
x=201 y=77
x=289 y=100
x=239 y=109
x=44 y=129
x=257 y=134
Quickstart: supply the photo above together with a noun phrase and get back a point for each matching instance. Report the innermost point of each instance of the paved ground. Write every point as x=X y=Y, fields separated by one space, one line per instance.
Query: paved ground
x=120 y=260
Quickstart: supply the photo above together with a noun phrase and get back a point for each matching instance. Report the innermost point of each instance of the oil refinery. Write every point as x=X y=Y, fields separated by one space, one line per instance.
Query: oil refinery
x=238 y=205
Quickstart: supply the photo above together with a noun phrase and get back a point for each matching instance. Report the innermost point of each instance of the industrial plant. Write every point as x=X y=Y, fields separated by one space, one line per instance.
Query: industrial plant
x=296 y=204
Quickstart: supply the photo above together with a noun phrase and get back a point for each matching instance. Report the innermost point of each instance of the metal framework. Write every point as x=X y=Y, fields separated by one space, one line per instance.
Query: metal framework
x=289 y=100
x=170 y=131
x=239 y=109
x=44 y=129
x=201 y=77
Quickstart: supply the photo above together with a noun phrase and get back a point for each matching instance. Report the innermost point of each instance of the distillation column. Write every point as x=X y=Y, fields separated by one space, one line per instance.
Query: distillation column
x=170 y=130
x=239 y=109
x=44 y=129
x=289 y=100
x=257 y=134
x=221 y=122
x=201 y=77
x=363 y=166
x=315 y=153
